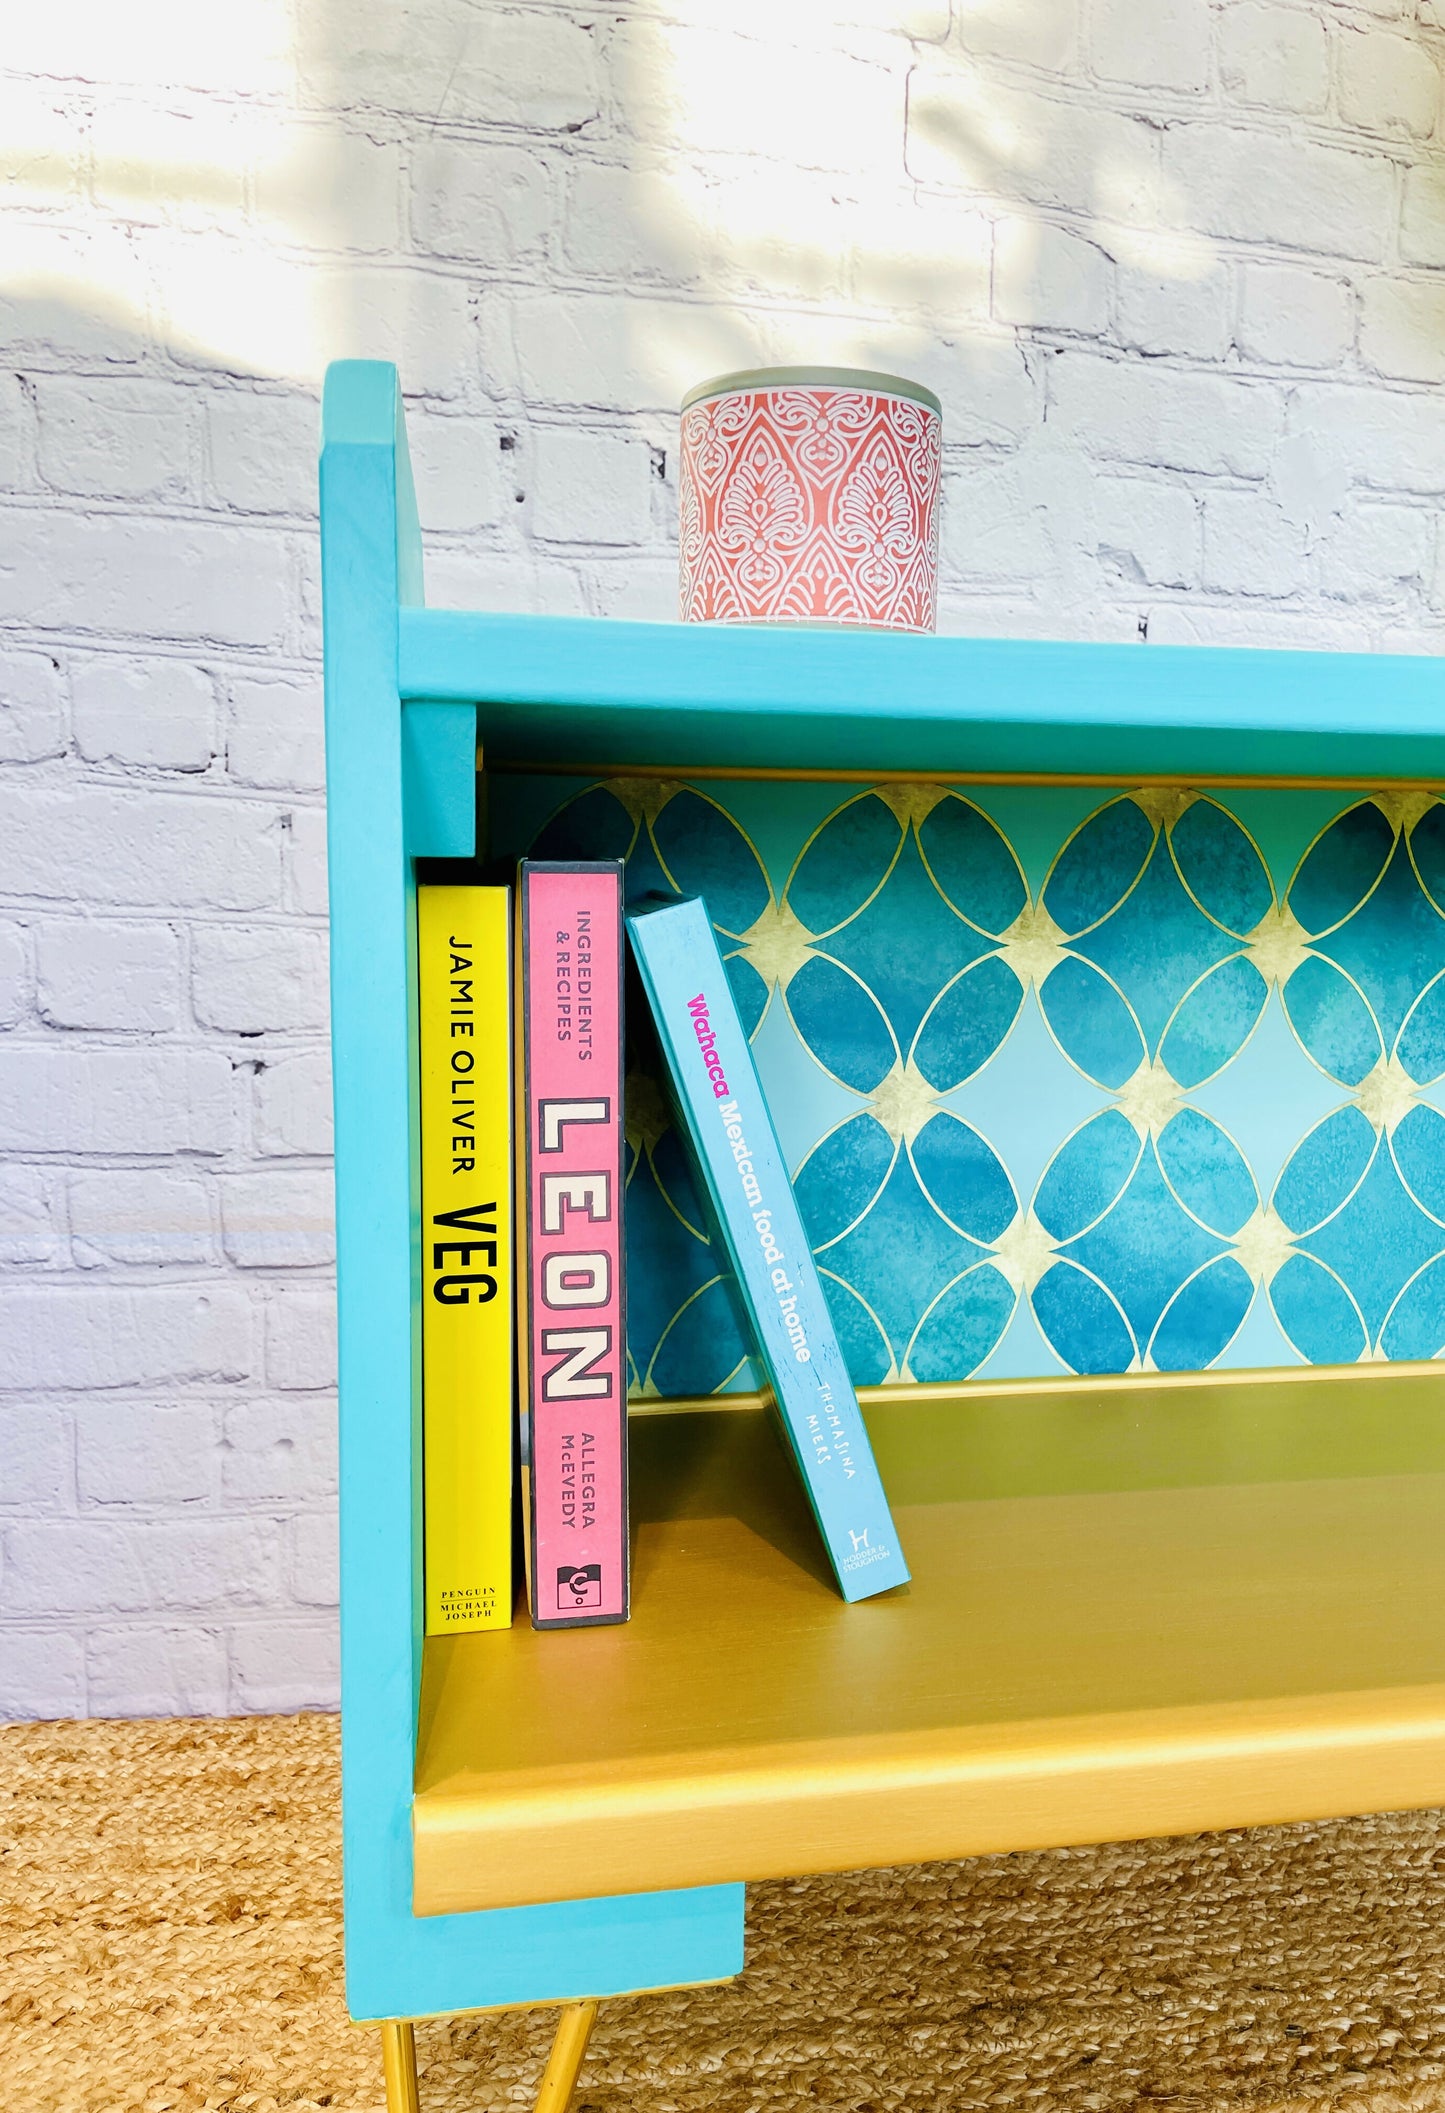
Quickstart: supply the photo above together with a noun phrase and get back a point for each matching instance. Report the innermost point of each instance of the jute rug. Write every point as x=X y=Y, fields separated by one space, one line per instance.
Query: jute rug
x=172 y=1941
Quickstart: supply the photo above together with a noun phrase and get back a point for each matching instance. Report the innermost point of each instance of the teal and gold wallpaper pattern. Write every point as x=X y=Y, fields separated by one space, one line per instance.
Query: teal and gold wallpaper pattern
x=1069 y=1079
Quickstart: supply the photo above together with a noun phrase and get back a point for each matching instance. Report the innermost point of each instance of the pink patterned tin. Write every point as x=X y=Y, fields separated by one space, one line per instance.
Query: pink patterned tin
x=810 y=496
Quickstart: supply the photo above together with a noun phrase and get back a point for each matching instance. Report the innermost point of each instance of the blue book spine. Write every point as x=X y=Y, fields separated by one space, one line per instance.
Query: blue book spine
x=737 y=1152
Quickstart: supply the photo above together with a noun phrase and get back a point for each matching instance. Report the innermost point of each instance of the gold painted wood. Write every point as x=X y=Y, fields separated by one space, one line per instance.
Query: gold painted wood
x=1216 y=1607
x=564 y=2063
x=398 y=2061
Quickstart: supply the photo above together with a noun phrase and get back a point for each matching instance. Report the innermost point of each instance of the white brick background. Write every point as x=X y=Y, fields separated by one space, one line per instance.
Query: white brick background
x=1176 y=267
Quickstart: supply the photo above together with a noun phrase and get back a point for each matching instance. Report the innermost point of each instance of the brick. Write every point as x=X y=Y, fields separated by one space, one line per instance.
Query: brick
x=536 y=69
x=1276 y=58
x=1387 y=84
x=1292 y=317
x=17 y=447
x=1381 y=438
x=93 y=1335
x=315 y=1560
x=1402 y=328
x=502 y=580
x=146 y=1453
x=289 y=1665
x=261 y=451
x=322 y=187
x=1268 y=625
x=14 y=976
x=184 y=163
x=1255 y=187
x=48 y=310
x=1251 y=546
x=491 y=205
x=1148 y=532
x=181 y=579
x=306 y=864
x=1152 y=43
x=72 y=1101
x=972 y=131
x=115 y=439
x=248 y=979
x=279 y=1220
x=301 y=1339
x=617 y=222
x=421 y=322
x=291 y=1099
x=1044 y=34
x=43 y=149
x=139 y=847
x=107 y=974
x=278 y=735
x=919 y=254
x=28 y=1230
x=1422 y=221
x=609 y=352
x=32 y=708
x=457 y=465
x=43 y=1675
x=995 y=524
x=1178 y=304
x=635 y=589
x=144 y=1215
x=589 y=487
x=35 y=1444
x=157 y=714
x=1379 y=552
x=280 y=1450
x=708 y=90
x=100 y=1566
x=1043 y=275
x=1162 y=418
x=150 y=1671
x=244 y=54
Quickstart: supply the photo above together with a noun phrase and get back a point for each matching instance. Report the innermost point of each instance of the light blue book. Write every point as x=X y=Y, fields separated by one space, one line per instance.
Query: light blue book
x=742 y=1167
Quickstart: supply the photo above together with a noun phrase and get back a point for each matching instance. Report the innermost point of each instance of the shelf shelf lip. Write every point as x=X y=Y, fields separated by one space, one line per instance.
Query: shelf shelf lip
x=833 y=1806
x=592 y=691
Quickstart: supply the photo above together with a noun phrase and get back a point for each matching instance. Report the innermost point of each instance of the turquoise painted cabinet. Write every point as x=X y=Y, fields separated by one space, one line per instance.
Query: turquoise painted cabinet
x=411 y=692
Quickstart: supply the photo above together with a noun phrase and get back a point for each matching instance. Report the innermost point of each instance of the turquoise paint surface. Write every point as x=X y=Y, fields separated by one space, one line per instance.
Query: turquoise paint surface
x=1157 y=1066
x=396 y=1964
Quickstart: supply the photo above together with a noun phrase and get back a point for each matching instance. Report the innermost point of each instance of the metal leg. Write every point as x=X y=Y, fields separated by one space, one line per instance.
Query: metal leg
x=398 y=2061
x=559 y=2078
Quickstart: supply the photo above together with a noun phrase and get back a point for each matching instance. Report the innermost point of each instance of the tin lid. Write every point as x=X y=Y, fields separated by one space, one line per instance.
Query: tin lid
x=812 y=378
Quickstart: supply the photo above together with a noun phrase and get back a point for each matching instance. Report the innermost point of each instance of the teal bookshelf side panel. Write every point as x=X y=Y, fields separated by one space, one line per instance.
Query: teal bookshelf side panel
x=398 y=1965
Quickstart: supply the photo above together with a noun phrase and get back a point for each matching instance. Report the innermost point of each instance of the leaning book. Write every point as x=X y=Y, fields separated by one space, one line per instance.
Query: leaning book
x=735 y=1148
x=468 y=1389
x=573 y=1331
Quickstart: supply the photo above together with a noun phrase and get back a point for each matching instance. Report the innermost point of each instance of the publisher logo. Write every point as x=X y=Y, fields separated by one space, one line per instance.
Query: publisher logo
x=579 y=1586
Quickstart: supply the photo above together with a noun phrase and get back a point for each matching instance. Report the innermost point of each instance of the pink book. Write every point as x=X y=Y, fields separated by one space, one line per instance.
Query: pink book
x=574 y=1331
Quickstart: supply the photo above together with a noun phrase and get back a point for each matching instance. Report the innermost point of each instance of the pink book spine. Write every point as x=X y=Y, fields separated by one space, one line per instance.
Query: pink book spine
x=577 y=1330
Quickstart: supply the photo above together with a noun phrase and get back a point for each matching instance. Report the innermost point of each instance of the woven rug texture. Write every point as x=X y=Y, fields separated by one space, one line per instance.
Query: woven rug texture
x=172 y=1943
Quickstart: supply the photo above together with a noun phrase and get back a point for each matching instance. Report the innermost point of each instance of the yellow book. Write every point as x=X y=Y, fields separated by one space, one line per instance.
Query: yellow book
x=464 y=991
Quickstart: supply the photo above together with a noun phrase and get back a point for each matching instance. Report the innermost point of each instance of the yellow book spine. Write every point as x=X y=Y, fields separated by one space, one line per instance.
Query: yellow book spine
x=468 y=1274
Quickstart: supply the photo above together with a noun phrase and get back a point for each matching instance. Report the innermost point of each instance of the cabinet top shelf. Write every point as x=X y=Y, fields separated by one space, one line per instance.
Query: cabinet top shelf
x=600 y=693
x=585 y=693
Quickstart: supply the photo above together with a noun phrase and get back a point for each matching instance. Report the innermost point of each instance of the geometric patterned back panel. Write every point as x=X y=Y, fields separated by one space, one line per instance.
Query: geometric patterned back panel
x=1068 y=1079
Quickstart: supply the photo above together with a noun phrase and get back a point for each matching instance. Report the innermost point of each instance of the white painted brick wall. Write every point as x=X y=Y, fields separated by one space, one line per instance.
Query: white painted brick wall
x=1177 y=268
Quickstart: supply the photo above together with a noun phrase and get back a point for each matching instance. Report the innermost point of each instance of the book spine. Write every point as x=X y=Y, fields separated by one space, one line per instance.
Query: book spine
x=575 y=1331
x=736 y=1149
x=468 y=1393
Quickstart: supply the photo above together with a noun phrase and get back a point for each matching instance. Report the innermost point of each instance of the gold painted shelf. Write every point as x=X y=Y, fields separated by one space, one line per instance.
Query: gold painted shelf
x=1137 y=1608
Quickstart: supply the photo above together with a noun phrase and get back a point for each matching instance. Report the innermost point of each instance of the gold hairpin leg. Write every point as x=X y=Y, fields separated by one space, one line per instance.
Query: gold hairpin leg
x=559 y=2078
x=398 y=2061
